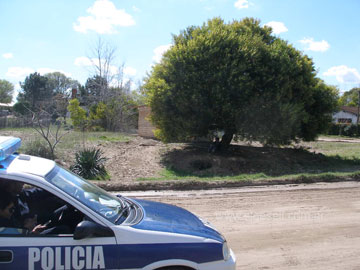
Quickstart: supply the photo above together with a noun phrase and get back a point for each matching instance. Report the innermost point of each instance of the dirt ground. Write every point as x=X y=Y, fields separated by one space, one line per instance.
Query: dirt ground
x=137 y=158
x=282 y=227
x=146 y=158
x=126 y=161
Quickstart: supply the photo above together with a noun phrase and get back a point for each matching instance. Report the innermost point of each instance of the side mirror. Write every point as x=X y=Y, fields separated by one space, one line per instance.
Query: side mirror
x=86 y=229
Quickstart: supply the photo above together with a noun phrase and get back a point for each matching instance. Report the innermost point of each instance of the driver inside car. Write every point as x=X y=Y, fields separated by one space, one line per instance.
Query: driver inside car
x=37 y=210
x=6 y=209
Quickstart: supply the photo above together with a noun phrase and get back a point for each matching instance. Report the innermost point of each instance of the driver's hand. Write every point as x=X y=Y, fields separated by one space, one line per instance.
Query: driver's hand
x=39 y=228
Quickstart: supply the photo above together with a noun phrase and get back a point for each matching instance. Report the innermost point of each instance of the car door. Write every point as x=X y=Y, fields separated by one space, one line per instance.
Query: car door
x=87 y=245
x=20 y=251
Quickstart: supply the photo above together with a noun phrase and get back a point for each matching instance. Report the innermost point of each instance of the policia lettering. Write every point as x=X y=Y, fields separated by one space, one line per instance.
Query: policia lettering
x=65 y=258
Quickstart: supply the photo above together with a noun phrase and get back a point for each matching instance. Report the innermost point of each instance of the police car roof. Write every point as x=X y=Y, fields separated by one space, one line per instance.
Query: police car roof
x=21 y=164
x=30 y=165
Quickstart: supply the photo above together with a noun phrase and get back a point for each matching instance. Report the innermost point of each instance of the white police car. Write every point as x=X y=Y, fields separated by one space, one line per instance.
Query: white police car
x=103 y=231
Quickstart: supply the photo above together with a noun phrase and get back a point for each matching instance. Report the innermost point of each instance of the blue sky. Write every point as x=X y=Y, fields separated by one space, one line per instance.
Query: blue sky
x=50 y=35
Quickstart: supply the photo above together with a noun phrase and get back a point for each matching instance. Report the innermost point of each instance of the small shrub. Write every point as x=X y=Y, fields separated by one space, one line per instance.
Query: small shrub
x=89 y=164
x=343 y=130
x=37 y=148
x=96 y=128
x=78 y=114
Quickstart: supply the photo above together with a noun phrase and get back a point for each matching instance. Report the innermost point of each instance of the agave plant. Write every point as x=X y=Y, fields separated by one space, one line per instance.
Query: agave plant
x=89 y=164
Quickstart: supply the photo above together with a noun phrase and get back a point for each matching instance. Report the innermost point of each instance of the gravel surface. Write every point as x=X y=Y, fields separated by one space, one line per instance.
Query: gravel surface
x=281 y=227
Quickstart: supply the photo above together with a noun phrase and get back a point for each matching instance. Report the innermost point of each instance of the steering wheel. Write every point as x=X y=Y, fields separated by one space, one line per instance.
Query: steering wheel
x=106 y=212
x=56 y=218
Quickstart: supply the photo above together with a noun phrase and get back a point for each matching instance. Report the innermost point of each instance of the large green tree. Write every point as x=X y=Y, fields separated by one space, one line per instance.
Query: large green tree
x=6 y=91
x=241 y=79
x=59 y=83
x=35 y=92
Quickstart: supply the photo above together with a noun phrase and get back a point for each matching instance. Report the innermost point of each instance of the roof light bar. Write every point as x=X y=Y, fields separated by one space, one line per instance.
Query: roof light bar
x=8 y=146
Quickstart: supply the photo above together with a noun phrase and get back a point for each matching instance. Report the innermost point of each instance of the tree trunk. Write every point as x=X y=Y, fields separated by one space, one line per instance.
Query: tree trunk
x=226 y=140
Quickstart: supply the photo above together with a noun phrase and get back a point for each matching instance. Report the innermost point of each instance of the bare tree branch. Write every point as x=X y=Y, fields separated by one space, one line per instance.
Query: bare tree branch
x=41 y=122
x=102 y=58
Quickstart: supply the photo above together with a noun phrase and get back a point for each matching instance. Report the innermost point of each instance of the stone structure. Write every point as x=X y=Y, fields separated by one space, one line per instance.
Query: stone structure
x=145 y=129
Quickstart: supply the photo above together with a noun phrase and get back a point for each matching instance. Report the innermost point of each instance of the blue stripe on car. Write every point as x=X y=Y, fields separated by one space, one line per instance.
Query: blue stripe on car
x=126 y=256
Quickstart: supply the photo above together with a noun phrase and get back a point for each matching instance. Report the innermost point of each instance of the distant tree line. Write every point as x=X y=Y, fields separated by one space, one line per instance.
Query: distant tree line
x=105 y=102
x=103 y=107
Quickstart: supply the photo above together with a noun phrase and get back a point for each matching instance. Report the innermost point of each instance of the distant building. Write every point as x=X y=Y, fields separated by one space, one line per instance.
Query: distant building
x=5 y=109
x=145 y=128
x=346 y=115
x=74 y=93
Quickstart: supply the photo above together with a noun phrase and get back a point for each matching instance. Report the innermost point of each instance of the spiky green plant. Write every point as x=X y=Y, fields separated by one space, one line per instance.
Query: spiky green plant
x=89 y=164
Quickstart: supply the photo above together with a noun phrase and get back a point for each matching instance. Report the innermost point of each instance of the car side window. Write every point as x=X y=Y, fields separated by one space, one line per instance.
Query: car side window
x=26 y=210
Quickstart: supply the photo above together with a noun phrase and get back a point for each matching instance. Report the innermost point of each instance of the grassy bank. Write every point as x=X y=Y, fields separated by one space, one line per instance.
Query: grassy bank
x=328 y=159
x=315 y=160
x=167 y=175
x=70 y=141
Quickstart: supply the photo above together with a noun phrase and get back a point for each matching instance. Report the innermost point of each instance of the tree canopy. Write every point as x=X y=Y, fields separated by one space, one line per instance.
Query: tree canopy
x=6 y=91
x=350 y=98
x=35 y=92
x=59 y=83
x=238 y=78
x=49 y=92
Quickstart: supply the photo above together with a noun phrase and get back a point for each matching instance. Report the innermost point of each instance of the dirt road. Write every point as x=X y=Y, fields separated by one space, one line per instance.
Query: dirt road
x=282 y=227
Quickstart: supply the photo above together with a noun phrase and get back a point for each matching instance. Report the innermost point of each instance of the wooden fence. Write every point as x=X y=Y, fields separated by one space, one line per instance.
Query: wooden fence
x=13 y=122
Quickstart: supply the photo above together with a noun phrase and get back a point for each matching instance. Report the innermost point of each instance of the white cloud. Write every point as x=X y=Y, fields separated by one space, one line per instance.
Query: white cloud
x=19 y=72
x=129 y=71
x=113 y=70
x=103 y=18
x=240 y=4
x=17 y=88
x=159 y=51
x=7 y=55
x=83 y=61
x=316 y=46
x=277 y=27
x=344 y=74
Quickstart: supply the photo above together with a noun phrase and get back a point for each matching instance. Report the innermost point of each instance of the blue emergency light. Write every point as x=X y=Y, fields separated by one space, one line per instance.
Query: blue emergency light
x=8 y=146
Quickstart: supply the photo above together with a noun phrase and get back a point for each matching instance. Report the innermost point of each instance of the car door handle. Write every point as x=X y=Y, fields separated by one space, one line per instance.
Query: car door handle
x=6 y=256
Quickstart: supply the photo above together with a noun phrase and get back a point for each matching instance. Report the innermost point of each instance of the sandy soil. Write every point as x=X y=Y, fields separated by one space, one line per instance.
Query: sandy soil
x=282 y=227
x=144 y=158
x=127 y=161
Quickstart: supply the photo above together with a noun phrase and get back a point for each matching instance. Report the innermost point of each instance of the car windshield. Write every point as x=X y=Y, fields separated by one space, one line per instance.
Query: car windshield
x=97 y=199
